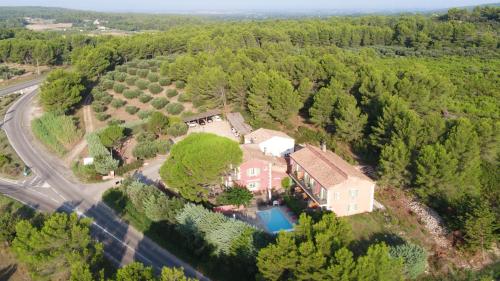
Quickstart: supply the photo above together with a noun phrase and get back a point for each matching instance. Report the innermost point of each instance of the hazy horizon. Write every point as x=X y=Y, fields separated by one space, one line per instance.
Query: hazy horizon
x=157 y=6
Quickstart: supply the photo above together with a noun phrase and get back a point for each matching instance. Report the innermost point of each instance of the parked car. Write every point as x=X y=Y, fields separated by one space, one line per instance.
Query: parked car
x=217 y=118
x=202 y=122
x=192 y=124
x=209 y=120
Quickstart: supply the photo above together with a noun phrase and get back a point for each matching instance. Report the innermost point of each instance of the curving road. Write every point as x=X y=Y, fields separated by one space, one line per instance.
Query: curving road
x=53 y=188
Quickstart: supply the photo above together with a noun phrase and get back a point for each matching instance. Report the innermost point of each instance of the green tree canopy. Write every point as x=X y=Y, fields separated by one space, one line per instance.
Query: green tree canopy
x=112 y=136
x=157 y=123
x=61 y=91
x=199 y=162
x=53 y=248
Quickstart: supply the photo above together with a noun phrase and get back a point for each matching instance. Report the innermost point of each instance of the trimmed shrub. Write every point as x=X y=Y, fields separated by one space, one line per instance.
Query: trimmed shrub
x=143 y=114
x=143 y=64
x=172 y=93
x=131 y=80
x=113 y=121
x=177 y=129
x=164 y=81
x=183 y=98
x=414 y=258
x=131 y=109
x=153 y=69
x=106 y=99
x=159 y=103
x=153 y=77
x=151 y=63
x=110 y=75
x=120 y=76
x=119 y=88
x=108 y=84
x=98 y=107
x=97 y=94
x=155 y=88
x=132 y=71
x=117 y=103
x=131 y=94
x=121 y=68
x=180 y=84
x=102 y=116
x=150 y=148
x=145 y=98
x=129 y=167
x=132 y=63
x=142 y=84
x=175 y=108
x=143 y=73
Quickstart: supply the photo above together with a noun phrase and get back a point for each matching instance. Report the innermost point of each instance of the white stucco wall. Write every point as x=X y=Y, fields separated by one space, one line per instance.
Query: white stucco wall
x=277 y=146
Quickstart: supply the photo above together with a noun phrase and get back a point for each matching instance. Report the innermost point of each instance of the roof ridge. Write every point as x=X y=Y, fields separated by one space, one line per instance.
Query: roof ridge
x=328 y=162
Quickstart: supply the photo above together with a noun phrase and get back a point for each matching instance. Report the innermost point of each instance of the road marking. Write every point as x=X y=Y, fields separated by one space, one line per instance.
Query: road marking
x=121 y=242
x=57 y=192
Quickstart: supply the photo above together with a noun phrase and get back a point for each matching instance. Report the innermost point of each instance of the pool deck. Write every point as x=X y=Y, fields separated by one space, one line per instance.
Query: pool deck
x=286 y=213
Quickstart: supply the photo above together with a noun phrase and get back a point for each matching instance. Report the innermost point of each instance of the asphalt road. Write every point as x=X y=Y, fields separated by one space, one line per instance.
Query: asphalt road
x=53 y=189
x=20 y=86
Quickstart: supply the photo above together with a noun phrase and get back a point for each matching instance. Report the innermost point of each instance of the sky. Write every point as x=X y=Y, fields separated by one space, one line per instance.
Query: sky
x=247 y=5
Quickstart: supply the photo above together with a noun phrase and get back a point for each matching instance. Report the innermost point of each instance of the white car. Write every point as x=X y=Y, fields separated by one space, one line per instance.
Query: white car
x=217 y=118
x=192 y=124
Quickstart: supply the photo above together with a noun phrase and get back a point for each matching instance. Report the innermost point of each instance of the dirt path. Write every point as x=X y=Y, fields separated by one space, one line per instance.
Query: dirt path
x=89 y=127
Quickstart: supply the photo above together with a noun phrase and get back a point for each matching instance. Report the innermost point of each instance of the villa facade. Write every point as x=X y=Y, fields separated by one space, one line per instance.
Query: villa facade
x=258 y=172
x=330 y=182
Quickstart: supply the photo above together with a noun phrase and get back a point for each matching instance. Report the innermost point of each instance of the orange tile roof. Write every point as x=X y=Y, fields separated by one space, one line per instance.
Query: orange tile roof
x=326 y=167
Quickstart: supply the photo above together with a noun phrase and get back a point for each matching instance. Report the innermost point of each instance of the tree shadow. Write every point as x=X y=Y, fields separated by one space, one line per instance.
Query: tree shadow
x=189 y=244
x=108 y=229
x=359 y=247
x=7 y=272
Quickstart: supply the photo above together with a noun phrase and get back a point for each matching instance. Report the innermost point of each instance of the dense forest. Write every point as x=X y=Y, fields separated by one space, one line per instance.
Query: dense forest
x=417 y=97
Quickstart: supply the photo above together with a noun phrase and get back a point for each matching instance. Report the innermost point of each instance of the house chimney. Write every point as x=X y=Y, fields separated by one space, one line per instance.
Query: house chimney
x=323 y=146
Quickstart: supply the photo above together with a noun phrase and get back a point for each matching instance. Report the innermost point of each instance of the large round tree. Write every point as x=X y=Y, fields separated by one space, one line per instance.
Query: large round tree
x=198 y=163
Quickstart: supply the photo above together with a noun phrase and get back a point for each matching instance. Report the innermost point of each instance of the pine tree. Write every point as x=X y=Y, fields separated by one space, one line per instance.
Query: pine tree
x=377 y=265
x=278 y=261
x=284 y=102
x=331 y=233
x=463 y=145
x=310 y=263
x=322 y=109
x=393 y=164
x=238 y=89
x=342 y=267
x=480 y=228
x=258 y=100
x=348 y=119
x=305 y=89
x=435 y=172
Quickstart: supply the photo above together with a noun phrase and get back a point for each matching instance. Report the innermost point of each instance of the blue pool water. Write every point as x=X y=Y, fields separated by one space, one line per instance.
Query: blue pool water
x=274 y=220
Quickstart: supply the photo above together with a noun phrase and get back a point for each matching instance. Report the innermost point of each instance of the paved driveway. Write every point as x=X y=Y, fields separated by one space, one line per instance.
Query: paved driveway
x=221 y=128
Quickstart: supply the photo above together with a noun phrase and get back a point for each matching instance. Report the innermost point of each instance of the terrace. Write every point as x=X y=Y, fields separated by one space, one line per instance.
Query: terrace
x=313 y=190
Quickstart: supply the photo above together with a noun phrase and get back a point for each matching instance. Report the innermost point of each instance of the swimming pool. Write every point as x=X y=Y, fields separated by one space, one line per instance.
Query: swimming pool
x=274 y=220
